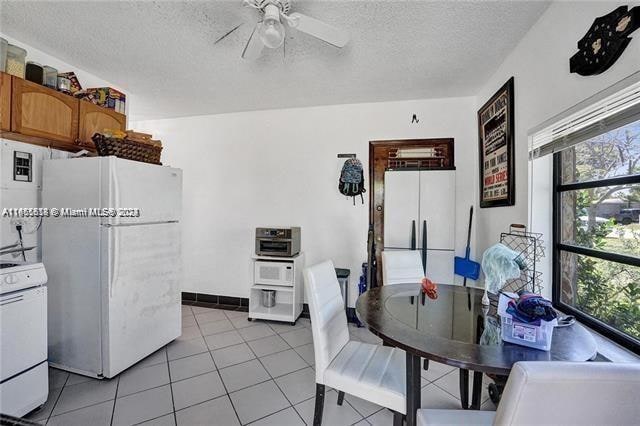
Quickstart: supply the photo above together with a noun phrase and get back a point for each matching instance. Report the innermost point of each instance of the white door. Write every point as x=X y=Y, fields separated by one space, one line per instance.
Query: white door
x=440 y=266
x=141 y=292
x=155 y=190
x=401 y=207
x=438 y=208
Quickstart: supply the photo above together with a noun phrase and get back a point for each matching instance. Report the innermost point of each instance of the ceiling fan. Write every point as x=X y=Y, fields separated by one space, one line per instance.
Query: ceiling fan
x=270 y=32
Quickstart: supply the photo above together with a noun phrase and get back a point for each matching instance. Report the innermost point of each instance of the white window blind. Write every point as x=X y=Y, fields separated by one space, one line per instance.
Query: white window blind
x=610 y=112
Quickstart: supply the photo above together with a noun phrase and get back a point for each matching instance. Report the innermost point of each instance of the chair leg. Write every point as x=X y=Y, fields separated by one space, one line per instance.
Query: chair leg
x=340 y=397
x=397 y=418
x=317 y=414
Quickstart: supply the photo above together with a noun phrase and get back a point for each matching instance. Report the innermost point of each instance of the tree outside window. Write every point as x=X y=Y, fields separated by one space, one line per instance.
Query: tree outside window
x=598 y=203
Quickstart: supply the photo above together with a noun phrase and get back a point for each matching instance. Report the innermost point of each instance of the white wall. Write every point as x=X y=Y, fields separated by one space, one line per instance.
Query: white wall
x=279 y=167
x=544 y=88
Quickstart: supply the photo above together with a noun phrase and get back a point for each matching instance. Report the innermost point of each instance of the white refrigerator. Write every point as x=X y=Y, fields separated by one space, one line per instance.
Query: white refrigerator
x=114 y=281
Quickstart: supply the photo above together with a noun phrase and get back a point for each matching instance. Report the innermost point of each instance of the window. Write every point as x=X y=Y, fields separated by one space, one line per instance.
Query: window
x=596 y=231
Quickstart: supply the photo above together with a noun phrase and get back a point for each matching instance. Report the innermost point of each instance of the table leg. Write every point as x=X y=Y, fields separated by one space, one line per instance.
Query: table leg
x=413 y=387
x=464 y=388
x=477 y=390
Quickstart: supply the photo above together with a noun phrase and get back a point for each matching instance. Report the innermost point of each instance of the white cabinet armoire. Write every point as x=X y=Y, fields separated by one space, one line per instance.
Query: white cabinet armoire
x=419 y=213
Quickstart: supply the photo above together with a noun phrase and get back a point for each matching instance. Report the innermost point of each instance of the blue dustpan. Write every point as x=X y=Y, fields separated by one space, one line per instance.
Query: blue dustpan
x=463 y=266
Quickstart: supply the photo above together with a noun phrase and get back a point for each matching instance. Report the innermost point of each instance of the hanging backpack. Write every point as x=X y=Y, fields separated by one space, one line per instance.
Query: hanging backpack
x=352 y=179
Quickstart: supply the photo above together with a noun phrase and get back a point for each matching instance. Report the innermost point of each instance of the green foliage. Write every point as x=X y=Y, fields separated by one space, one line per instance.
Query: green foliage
x=608 y=291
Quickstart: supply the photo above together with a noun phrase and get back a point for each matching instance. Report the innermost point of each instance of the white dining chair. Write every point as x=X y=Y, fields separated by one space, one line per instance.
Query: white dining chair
x=557 y=393
x=401 y=267
x=372 y=372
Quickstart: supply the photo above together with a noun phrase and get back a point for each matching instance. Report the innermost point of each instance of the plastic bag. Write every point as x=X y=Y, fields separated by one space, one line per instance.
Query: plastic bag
x=491 y=334
x=499 y=264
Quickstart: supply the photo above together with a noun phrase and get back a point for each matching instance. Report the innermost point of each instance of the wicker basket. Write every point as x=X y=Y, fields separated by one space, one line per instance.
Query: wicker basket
x=127 y=149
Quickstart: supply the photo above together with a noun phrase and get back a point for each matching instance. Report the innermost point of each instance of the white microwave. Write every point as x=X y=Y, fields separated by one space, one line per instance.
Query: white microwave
x=273 y=272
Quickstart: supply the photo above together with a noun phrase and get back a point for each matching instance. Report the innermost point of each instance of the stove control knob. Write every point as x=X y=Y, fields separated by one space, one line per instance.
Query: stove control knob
x=11 y=279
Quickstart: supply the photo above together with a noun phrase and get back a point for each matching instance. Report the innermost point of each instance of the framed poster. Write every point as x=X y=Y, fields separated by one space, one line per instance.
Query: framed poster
x=496 y=139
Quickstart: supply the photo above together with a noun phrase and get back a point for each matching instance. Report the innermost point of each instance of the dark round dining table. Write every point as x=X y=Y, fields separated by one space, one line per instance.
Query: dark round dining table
x=449 y=330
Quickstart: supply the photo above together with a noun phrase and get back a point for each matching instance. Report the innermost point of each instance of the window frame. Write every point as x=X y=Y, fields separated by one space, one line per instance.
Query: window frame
x=558 y=246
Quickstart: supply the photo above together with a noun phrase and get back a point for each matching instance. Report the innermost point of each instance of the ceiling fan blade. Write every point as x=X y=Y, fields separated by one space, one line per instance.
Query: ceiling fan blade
x=318 y=29
x=254 y=46
x=225 y=35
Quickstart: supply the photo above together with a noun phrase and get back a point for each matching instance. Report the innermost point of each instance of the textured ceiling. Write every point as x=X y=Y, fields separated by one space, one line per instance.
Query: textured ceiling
x=163 y=53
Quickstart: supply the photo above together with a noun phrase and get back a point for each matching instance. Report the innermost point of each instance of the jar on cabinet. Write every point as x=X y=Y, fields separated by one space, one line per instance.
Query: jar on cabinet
x=34 y=72
x=16 y=57
x=64 y=85
x=3 y=54
x=50 y=77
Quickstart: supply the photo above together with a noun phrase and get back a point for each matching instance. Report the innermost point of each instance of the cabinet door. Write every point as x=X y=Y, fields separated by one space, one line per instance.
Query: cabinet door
x=440 y=266
x=42 y=112
x=401 y=207
x=94 y=119
x=438 y=208
x=5 y=102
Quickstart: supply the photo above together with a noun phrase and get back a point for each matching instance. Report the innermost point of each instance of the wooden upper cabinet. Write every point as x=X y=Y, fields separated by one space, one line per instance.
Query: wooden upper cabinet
x=35 y=114
x=43 y=113
x=5 y=102
x=94 y=119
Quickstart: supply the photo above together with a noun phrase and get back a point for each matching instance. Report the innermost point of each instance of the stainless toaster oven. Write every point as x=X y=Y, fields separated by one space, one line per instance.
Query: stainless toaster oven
x=283 y=242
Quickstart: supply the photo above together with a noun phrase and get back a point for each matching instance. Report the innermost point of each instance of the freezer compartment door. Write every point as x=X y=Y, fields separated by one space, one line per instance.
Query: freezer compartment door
x=141 y=272
x=440 y=266
x=155 y=190
x=401 y=207
x=438 y=208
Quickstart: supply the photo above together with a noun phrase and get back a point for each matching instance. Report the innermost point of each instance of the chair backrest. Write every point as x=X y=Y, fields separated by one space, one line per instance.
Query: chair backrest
x=571 y=393
x=328 y=317
x=401 y=267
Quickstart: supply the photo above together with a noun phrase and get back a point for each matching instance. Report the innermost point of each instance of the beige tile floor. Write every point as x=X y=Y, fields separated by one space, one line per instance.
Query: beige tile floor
x=225 y=370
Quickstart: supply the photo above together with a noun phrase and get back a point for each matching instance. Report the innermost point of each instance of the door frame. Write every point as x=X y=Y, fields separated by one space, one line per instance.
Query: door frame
x=378 y=161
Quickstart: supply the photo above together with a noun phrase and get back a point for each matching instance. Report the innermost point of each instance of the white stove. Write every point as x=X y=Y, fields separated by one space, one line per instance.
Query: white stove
x=16 y=276
x=23 y=337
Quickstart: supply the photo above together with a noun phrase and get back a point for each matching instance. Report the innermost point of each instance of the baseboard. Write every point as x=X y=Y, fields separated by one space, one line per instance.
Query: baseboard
x=240 y=304
x=215 y=301
x=351 y=314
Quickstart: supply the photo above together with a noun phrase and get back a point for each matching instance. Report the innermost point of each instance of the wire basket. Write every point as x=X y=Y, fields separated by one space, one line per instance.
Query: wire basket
x=530 y=247
x=127 y=149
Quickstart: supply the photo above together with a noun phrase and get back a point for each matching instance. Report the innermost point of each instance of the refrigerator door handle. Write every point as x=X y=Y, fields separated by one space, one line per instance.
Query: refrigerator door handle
x=424 y=247
x=413 y=235
x=115 y=259
x=114 y=185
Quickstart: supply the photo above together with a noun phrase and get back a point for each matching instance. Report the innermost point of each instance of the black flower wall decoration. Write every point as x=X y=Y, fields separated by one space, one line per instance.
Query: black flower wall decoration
x=605 y=41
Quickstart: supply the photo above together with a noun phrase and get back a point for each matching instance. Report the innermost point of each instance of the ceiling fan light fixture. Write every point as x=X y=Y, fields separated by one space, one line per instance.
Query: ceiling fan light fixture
x=272 y=31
